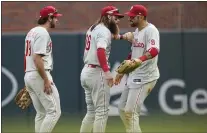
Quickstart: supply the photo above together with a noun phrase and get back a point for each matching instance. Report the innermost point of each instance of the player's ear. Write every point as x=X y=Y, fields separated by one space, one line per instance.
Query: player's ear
x=109 y=17
x=49 y=18
x=141 y=17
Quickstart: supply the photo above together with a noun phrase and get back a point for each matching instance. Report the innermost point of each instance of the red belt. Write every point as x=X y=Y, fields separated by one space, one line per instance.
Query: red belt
x=92 y=66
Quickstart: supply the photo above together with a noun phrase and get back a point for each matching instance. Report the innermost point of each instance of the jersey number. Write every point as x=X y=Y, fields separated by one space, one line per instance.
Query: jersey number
x=152 y=42
x=27 y=52
x=88 y=42
x=28 y=48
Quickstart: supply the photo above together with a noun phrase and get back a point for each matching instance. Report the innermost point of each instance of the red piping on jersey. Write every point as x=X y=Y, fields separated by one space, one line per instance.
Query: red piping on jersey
x=153 y=52
x=102 y=59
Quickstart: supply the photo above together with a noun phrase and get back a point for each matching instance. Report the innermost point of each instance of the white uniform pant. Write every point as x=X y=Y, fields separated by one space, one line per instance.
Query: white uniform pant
x=47 y=106
x=97 y=96
x=130 y=105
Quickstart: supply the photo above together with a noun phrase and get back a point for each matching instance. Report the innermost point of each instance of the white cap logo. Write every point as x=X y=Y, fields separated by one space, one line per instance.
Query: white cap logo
x=112 y=11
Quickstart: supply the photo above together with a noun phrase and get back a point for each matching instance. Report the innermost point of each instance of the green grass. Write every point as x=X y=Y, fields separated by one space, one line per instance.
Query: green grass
x=152 y=123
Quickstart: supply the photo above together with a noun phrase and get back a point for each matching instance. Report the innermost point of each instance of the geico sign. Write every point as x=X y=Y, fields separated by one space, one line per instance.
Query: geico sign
x=194 y=100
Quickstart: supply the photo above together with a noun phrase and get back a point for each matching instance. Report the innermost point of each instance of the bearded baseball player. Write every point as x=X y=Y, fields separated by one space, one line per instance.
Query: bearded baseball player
x=38 y=65
x=141 y=67
x=96 y=78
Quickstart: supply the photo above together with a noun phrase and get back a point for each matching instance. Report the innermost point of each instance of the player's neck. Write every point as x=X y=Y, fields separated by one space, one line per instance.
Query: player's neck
x=46 y=26
x=142 y=25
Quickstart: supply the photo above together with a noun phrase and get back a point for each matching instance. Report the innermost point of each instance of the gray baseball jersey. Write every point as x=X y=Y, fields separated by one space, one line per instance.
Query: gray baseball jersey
x=97 y=95
x=38 y=41
x=100 y=37
x=142 y=42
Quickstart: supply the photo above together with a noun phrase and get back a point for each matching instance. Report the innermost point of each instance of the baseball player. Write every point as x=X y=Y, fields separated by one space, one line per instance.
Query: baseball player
x=38 y=65
x=144 y=55
x=96 y=78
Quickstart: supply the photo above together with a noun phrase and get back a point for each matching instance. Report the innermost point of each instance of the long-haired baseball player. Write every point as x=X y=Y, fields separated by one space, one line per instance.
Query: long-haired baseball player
x=141 y=67
x=96 y=78
x=38 y=65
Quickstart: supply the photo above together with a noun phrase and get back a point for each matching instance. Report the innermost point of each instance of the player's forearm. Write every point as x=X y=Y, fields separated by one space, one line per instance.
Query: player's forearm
x=40 y=66
x=127 y=36
x=151 y=53
x=102 y=59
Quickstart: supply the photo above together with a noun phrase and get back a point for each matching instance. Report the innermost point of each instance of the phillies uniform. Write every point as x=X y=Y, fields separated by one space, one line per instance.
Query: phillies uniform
x=97 y=93
x=47 y=107
x=142 y=80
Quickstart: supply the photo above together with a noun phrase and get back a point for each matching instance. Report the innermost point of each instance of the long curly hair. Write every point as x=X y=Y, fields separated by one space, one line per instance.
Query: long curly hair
x=110 y=24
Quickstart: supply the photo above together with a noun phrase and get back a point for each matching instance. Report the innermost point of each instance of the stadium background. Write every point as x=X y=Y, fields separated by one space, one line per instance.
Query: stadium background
x=177 y=104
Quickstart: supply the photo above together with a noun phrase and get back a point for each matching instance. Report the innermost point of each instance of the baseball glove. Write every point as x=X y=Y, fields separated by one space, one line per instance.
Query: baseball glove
x=23 y=99
x=127 y=66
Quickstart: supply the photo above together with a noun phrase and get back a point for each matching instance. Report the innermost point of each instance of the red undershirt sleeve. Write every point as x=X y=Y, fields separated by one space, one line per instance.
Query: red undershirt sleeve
x=102 y=59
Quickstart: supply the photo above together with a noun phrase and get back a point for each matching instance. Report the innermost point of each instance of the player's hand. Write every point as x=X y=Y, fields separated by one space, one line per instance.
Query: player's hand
x=48 y=88
x=118 y=78
x=109 y=78
x=136 y=62
x=128 y=36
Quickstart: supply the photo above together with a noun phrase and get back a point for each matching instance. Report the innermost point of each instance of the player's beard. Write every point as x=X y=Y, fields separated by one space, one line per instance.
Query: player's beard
x=134 y=24
x=52 y=24
x=113 y=27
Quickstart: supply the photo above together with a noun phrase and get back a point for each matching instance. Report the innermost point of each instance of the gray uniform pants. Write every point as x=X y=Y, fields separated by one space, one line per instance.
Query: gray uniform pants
x=97 y=96
x=130 y=105
x=47 y=106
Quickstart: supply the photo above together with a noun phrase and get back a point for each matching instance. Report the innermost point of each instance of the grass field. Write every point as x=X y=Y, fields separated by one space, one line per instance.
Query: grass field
x=149 y=124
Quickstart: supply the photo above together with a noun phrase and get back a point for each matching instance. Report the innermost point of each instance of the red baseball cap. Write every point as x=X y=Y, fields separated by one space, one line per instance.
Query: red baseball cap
x=111 y=10
x=137 y=10
x=49 y=10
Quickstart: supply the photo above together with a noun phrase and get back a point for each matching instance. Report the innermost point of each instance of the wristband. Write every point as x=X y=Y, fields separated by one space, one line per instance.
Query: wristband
x=121 y=37
x=143 y=58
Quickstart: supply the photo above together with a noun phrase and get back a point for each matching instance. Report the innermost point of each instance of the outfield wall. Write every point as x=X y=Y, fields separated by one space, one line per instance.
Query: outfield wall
x=182 y=87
